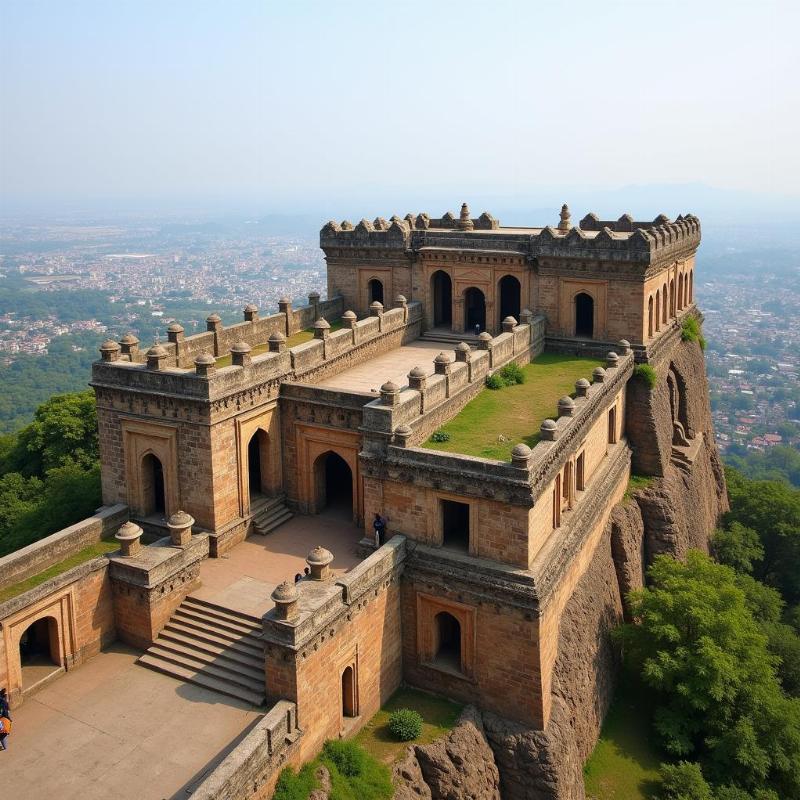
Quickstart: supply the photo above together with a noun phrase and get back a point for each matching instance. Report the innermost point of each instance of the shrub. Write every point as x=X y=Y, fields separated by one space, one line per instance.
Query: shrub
x=348 y=757
x=511 y=374
x=295 y=786
x=495 y=381
x=683 y=781
x=440 y=436
x=646 y=373
x=690 y=332
x=355 y=775
x=405 y=724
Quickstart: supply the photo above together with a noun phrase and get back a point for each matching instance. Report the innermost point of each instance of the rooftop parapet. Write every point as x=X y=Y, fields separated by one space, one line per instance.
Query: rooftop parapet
x=624 y=239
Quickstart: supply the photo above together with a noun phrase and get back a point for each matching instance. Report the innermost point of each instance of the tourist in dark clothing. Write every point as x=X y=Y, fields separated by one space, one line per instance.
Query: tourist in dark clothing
x=379 y=524
x=4 y=710
x=298 y=577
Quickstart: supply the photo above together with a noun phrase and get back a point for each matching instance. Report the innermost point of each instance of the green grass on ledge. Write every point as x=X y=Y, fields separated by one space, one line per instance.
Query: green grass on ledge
x=87 y=554
x=625 y=761
x=438 y=717
x=635 y=483
x=491 y=424
x=301 y=337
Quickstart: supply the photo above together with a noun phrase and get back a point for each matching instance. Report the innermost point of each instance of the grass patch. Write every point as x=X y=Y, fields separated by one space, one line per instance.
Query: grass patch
x=87 y=554
x=647 y=374
x=495 y=421
x=296 y=785
x=438 y=717
x=635 y=483
x=301 y=337
x=624 y=764
x=690 y=331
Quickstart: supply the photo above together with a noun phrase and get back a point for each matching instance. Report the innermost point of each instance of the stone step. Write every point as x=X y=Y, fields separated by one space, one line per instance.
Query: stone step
x=261 y=503
x=191 y=661
x=192 y=616
x=228 y=652
x=268 y=522
x=254 y=672
x=224 y=612
x=228 y=641
x=201 y=679
x=450 y=338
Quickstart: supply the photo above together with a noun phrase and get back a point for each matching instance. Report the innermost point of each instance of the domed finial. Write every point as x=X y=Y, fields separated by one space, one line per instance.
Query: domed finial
x=465 y=221
x=565 y=223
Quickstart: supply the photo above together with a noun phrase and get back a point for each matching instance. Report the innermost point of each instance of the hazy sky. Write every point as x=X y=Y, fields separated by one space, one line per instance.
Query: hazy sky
x=300 y=105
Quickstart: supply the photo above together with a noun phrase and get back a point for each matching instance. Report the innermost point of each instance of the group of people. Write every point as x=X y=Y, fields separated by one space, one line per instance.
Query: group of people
x=5 y=720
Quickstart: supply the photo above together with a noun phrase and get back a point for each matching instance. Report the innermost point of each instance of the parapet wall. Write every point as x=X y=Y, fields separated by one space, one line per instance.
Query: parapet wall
x=252 y=768
x=36 y=557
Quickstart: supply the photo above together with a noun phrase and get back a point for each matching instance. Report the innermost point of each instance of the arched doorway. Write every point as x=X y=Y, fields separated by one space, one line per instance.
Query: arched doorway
x=658 y=310
x=664 y=310
x=39 y=651
x=256 y=466
x=349 y=699
x=672 y=297
x=691 y=286
x=448 y=641
x=510 y=297
x=474 y=310
x=334 y=480
x=442 y=293
x=375 y=288
x=153 y=490
x=584 y=315
x=650 y=317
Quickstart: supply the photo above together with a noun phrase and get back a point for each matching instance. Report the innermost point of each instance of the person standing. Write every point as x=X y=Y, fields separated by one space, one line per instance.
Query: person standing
x=379 y=525
x=5 y=730
x=4 y=709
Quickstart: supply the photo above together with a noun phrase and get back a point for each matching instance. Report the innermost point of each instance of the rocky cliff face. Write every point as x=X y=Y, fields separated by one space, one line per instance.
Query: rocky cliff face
x=459 y=766
x=677 y=511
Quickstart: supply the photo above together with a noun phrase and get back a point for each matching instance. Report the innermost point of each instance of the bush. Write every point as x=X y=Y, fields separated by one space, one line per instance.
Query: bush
x=405 y=724
x=646 y=373
x=295 y=786
x=495 y=381
x=440 y=436
x=355 y=775
x=737 y=546
x=511 y=374
x=690 y=332
x=683 y=781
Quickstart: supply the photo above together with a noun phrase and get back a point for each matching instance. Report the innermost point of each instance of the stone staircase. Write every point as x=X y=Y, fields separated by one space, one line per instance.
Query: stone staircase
x=214 y=647
x=268 y=513
x=448 y=337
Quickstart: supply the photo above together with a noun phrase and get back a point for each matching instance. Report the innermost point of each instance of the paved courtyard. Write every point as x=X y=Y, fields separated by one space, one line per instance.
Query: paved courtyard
x=392 y=366
x=113 y=729
x=244 y=578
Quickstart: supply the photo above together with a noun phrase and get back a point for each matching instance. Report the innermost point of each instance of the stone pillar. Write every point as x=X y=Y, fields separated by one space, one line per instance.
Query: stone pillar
x=277 y=342
x=401 y=302
x=322 y=329
x=285 y=597
x=156 y=356
x=582 y=387
x=285 y=307
x=625 y=347
x=417 y=379
x=110 y=350
x=175 y=333
x=598 y=375
x=180 y=528
x=130 y=346
x=240 y=354
x=129 y=537
x=250 y=312
x=214 y=323
x=457 y=314
x=319 y=561
x=612 y=360
x=508 y=325
x=485 y=343
x=313 y=300
x=521 y=456
x=548 y=430
x=349 y=321
x=401 y=435
x=205 y=365
x=566 y=406
x=390 y=394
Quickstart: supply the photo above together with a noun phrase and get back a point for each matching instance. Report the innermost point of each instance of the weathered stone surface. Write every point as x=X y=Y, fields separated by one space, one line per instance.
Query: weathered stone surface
x=459 y=766
x=322 y=792
x=627 y=546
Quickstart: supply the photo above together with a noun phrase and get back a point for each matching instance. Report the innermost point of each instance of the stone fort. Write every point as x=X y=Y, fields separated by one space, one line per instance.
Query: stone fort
x=498 y=580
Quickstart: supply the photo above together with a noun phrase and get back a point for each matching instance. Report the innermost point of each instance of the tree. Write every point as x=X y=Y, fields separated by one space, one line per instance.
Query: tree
x=737 y=546
x=696 y=644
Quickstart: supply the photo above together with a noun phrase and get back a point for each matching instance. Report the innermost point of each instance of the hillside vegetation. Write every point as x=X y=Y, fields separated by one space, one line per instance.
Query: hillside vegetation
x=49 y=471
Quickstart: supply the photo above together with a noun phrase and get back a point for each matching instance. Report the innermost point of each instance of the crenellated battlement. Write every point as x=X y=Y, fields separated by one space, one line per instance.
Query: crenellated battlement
x=624 y=239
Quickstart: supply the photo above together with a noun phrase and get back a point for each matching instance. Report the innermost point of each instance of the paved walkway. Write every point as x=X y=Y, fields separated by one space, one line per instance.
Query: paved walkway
x=392 y=366
x=113 y=729
x=244 y=578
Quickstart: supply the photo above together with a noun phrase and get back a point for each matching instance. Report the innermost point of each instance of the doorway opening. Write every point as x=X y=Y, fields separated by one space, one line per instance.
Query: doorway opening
x=349 y=701
x=510 y=298
x=584 y=315
x=455 y=525
x=474 y=310
x=375 y=291
x=257 y=464
x=153 y=485
x=448 y=641
x=334 y=480
x=442 y=291
x=39 y=651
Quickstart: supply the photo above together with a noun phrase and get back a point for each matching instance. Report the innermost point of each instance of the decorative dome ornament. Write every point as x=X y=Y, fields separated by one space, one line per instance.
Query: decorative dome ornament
x=285 y=596
x=319 y=561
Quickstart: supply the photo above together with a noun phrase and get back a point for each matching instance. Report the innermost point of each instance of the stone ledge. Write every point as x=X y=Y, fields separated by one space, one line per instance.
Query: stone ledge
x=157 y=562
